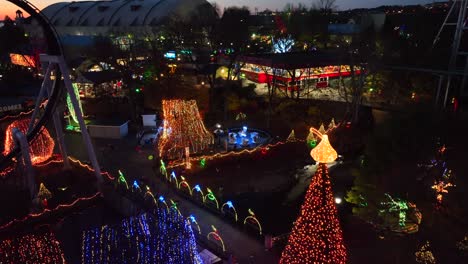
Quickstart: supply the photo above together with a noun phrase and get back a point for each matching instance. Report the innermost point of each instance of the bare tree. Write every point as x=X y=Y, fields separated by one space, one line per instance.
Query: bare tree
x=326 y=6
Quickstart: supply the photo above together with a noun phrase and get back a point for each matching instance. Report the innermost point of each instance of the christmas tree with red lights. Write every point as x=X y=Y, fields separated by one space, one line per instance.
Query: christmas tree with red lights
x=316 y=236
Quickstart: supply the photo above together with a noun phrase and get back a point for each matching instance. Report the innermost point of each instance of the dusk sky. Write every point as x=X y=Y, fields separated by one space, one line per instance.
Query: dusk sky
x=7 y=8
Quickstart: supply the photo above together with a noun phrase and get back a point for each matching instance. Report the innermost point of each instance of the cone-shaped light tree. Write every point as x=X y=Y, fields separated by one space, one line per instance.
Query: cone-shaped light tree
x=316 y=236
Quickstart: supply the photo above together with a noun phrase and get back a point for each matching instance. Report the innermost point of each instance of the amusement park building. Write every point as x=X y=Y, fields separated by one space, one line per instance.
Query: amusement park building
x=116 y=17
x=296 y=70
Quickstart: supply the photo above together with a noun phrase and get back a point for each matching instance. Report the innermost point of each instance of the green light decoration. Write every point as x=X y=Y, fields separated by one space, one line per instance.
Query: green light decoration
x=212 y=198
x=150 y=157
x=174 y=206
x=312 y=143
x=70 y=127
x=70 y=105
x=230 y=206
x=122 y=179
x=203 y=163
x=254 y=219
x=184 y=183
x=396 y=205
x=162 y=168
x=215 y=235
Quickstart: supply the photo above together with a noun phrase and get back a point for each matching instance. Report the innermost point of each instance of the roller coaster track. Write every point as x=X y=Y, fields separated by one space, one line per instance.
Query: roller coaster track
x=54 y=48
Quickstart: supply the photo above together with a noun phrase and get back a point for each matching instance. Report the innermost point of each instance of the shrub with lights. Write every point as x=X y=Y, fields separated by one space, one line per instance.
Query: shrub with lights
x=32 y=248
x=316 y=236
x=40 y=150
x=159 y=237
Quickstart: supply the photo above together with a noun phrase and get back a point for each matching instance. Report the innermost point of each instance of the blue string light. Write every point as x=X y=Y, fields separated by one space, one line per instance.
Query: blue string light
x=158 y=237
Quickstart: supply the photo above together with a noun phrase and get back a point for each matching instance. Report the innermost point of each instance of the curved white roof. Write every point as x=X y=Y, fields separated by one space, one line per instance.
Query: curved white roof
x=118 y=13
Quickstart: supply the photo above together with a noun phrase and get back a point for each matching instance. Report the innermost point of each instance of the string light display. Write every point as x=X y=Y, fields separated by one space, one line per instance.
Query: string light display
x=396 y=205
x=424 y=255
x=324 y=152
x=182 y=127
x=157 y=237
x=44 y=193
x=316 y=236
x=440 y=188
x=70 y=105
x=253 y=219
x=291 y=137
x=32 y=248
x=41 y=148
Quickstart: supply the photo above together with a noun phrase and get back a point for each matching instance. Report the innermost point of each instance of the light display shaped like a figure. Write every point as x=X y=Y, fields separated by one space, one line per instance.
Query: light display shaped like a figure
x=316 y=236
x=41 y=148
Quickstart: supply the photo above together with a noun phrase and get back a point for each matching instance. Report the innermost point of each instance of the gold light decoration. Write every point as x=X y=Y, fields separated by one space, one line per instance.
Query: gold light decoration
x=182 y=127
x=324 y=152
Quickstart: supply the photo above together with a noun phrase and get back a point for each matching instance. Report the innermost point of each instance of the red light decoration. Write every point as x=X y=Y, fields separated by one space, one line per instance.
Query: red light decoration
x=316 y=236
x=31 y=248
x=183 y=127
x=41 y=148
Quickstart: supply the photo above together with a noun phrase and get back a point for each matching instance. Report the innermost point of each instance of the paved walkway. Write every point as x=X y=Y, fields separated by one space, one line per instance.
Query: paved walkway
x=121 y=154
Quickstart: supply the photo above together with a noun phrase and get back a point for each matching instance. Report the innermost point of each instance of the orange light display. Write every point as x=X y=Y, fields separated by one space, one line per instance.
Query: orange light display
x=324 y=152
x=41 y=148
x=23 y=60
x=316 y=236
x=182 y=127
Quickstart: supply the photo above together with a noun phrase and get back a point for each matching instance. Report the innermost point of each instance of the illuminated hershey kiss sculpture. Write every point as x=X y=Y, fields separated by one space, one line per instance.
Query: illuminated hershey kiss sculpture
x=41 y=148
x=316 y=236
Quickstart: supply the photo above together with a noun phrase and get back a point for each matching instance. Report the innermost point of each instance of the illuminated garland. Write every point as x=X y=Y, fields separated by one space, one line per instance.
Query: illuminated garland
x=32 y=248
x=182 y=127
x=158 y=237
x=228 y=154
x=316 y=236
x=41 y=148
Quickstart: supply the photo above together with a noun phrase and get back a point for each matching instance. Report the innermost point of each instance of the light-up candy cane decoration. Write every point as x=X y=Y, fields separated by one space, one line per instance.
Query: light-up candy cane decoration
x=198 y=189
x=396 y=205
x=215 y=235
x=162 y=200
x=150 y=194
x=185 y=184
x=211 y=197
x=122 y=179
x=253 y=218
x=162 y=168
x=203 y=163
x=173 y=176
x=230 y=206
x=174 y=206
x=135 y=186
x=191 y=220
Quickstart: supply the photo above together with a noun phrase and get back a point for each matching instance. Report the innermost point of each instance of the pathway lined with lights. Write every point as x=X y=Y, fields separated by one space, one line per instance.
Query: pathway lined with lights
x=122 y=155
